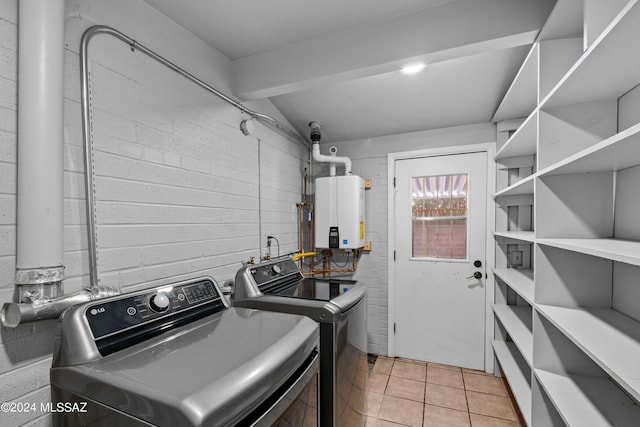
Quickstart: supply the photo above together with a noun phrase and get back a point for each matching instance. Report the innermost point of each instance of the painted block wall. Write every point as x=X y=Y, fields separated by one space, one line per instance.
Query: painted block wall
x=181 y=192
x=369 y=158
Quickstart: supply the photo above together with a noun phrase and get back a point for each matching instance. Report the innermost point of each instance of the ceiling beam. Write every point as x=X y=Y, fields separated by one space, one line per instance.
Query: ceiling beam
x=451 y=30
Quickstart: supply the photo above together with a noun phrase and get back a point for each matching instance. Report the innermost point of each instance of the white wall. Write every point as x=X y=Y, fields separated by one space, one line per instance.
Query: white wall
x=181 y=192
x=369 y=158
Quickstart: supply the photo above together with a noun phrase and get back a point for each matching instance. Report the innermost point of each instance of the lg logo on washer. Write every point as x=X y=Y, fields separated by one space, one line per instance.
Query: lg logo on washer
x=98 y=310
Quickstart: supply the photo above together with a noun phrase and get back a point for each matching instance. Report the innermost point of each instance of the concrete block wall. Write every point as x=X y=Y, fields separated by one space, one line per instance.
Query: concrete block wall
x=25 y=352
x=180 y=191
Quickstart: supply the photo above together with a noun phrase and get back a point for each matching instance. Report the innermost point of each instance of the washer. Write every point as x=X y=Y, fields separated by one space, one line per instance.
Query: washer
x=177 y=355
x=339 y=306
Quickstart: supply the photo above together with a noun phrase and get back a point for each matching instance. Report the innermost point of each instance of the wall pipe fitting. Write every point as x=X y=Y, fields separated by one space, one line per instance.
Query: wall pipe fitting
x=40 y=192
x=331 y=159
x=13 y=314
x=40 y=248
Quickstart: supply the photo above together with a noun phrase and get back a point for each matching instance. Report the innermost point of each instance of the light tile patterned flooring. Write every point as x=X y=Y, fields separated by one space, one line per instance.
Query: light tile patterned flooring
x=403 y=392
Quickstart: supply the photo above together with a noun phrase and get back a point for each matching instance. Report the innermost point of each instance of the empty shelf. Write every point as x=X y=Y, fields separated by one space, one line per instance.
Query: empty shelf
x=524 y=140
x=614 y=249
x=517 y=321
x=522 y=96
x=523 y=236
x=588 y=401
x=618 y=152
x=524 y=186
x=518 y=375
x=520 y=280
x=611 y=339
x=608 y=69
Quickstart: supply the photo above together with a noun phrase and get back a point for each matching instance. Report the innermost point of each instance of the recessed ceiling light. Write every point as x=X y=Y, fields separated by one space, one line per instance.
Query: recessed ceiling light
x=413 y=69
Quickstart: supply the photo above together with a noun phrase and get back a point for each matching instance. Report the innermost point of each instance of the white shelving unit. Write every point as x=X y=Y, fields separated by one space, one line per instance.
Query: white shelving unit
x=524 y=236
x=618 y=152
x=516 y=320
x=611 y=339
x=587 y=400
x=567 y=318
x=524 y=186
x=524 y=140
x=521 y=97
x=520 y=280
x=614 y=249
x=518 y=375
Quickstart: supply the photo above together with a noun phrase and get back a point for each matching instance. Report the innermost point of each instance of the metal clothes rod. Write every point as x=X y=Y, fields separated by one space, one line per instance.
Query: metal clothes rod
x=87 y=124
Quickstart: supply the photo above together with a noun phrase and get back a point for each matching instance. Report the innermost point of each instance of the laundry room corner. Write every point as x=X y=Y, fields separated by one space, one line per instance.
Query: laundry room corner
x=370 y=161
x=154 y=133
x=319 y=213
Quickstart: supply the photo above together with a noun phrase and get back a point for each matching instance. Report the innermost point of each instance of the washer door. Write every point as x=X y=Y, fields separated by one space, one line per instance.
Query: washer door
x=295 y=403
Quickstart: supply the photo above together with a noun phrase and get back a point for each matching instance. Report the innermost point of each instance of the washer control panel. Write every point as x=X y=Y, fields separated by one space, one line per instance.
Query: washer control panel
x=171 y=303
x=273 y=271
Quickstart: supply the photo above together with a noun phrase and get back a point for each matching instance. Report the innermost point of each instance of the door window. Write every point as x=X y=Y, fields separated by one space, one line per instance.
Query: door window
x=439 y=216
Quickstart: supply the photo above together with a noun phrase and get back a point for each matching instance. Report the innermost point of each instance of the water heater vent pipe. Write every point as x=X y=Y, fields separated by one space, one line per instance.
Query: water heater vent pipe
x=332 y=159
x=39 y=257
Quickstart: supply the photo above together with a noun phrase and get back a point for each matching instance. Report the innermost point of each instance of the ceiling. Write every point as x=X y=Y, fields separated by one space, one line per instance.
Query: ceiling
x=337 y=62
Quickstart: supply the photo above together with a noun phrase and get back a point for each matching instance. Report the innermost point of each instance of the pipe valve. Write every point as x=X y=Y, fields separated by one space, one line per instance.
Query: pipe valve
x=315 y=132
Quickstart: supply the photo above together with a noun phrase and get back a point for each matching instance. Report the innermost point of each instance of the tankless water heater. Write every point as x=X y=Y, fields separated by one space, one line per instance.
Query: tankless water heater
x=339 y=212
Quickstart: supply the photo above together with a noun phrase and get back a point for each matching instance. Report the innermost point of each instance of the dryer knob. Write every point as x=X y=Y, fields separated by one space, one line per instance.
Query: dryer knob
x=159 y=302
x=275 y=269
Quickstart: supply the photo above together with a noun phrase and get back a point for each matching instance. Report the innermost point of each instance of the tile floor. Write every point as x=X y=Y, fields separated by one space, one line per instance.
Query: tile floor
x=402 y=392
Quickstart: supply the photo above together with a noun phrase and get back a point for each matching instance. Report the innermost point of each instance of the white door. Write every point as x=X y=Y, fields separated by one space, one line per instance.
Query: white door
x=440 y=232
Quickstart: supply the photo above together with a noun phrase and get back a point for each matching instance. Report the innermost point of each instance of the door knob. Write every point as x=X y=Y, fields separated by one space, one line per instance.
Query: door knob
x=476 y=275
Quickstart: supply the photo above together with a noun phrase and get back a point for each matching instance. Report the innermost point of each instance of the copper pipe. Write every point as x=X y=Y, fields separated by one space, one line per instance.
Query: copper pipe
x=326 y=271
x=312 y=228
x=300 y=248
x=300 y=207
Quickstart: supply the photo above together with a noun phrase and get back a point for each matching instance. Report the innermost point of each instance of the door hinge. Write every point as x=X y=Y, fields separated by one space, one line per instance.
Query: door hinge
x=394 y=255
x=394 y=182
x=394 y=328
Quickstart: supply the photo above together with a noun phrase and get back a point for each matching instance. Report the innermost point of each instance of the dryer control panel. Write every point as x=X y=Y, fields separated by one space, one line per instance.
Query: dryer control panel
x=114 y=316
x=275 y=271
x=119 y=321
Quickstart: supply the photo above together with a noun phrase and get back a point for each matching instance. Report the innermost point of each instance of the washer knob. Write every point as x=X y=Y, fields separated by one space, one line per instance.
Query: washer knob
x=159 y=302
x=275 y=269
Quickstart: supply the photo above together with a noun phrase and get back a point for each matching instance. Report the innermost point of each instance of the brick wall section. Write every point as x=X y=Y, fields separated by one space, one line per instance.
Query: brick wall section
x=180 y=191
x=439 y=239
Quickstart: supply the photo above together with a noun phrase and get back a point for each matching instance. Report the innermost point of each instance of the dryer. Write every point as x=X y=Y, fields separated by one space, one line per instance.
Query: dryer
x=177 y=355
x=340 y=308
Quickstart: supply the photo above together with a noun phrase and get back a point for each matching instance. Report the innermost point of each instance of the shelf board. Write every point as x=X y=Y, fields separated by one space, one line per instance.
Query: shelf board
x=618 y=152
x=518 y=323
x=565 y=20
x=521 y=97
x=611 y=339
x=518 y=375
x=520 y=280
x=588 y=401
x=608 y=69
x=626 y=251
x=523 y=142
x=524 y=186
x=515 y=200
x=523 y=236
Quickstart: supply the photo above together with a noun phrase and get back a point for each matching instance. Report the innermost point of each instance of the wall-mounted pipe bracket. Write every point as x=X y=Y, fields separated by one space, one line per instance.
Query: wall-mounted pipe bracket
x=39 y=283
